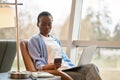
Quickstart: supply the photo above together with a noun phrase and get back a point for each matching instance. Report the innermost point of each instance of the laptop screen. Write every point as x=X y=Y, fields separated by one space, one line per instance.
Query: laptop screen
x=87 y=55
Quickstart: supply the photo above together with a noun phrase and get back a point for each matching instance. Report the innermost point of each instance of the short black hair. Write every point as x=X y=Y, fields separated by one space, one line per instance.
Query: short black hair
x=44 y=13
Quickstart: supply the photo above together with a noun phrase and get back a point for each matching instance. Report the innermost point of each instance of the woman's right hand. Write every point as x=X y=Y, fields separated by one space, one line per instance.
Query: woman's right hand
x=51 y=66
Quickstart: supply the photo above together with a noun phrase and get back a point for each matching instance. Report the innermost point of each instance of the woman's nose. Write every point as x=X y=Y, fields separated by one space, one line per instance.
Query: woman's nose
x=48 y=27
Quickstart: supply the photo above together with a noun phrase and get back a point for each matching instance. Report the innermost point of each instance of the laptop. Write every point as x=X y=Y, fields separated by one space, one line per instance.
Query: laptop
x=86 y=56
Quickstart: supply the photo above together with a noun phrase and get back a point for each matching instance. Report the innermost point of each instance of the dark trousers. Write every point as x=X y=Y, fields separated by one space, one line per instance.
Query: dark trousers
x=85 y=72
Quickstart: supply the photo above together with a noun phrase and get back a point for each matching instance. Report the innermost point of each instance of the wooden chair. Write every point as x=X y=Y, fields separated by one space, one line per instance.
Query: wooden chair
x=30 y=65
x=26 y=57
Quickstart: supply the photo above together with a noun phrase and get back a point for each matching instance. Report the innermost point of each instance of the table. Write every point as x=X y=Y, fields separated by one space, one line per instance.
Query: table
x=4 y=76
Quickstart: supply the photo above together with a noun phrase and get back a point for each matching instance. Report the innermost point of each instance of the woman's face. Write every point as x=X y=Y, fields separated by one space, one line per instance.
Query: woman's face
x=45 y=25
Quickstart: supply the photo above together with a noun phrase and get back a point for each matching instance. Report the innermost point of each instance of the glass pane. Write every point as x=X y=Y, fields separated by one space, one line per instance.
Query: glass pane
x=100 y=22
x=8 y=33
x=108 y=61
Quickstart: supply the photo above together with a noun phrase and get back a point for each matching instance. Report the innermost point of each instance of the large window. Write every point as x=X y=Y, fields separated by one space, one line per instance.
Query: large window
x=100 y=25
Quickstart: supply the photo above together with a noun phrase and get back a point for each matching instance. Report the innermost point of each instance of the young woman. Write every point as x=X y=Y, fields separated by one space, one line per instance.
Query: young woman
x=44 y=48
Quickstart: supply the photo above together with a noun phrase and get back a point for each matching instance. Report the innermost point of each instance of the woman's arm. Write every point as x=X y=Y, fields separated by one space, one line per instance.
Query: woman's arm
x=36 y=54
x=51 y=67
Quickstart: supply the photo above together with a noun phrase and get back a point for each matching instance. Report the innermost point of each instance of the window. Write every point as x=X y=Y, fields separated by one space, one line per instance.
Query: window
x=100 y=25
x=99 y=21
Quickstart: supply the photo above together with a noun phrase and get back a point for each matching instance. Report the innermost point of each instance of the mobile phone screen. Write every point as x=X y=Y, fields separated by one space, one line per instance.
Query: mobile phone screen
x=57 y=60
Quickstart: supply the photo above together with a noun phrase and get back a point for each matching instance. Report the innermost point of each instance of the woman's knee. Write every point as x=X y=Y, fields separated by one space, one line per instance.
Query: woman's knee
x=92 y=66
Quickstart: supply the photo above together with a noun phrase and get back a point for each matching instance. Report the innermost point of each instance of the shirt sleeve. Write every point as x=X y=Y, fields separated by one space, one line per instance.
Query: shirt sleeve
x=36 y=54
x=67 y=60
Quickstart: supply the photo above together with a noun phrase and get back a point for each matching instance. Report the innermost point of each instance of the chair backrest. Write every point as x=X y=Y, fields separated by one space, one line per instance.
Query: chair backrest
x=7 y=54
x=26 y=57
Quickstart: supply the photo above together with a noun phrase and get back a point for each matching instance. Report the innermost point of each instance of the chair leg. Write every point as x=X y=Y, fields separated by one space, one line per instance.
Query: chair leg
x=63 y=75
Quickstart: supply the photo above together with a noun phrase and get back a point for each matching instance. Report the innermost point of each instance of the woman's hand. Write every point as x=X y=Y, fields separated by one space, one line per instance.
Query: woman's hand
x=58 y=65
x=51 y=66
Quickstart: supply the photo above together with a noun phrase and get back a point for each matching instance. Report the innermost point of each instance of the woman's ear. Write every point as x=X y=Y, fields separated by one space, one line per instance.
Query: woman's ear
x=37 y=24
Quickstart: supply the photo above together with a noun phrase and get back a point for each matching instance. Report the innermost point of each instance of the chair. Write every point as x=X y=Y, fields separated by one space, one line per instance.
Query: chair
x=7 y=55
x=26 y=57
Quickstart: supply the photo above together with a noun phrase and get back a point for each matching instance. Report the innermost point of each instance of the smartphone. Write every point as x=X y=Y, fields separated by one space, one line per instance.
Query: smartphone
x=57 y=60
